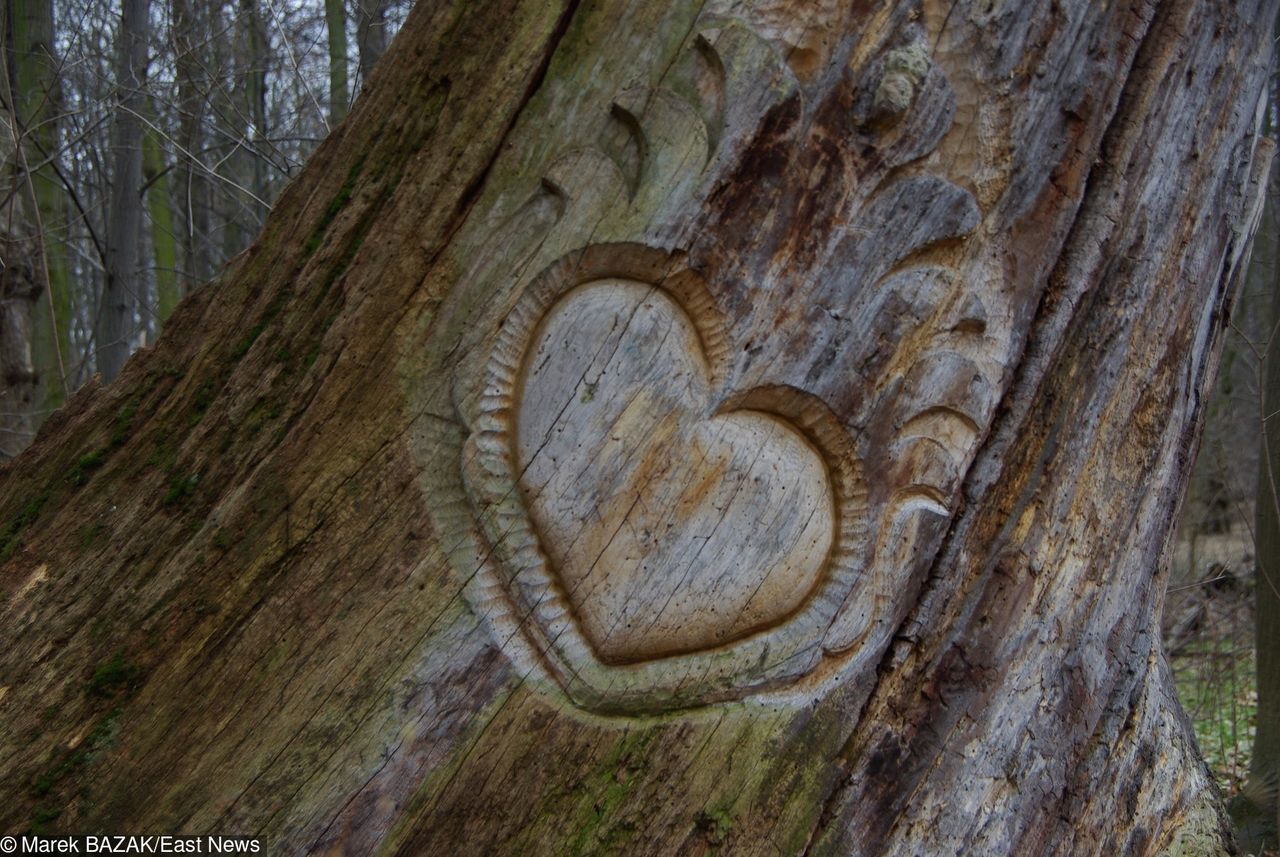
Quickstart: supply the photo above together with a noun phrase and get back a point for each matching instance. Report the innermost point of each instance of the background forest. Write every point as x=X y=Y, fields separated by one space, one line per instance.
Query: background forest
x=143 y=143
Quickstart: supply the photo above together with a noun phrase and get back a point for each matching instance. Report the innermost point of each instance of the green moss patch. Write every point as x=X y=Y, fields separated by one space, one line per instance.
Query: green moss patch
x=11 y=534
x=113 y=676
x=339 y=201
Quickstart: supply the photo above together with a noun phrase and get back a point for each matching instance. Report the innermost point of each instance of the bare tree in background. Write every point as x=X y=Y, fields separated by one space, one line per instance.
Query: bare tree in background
x=114 y=327
x=371 y=33
x=1257 y=809
x=35 y=99
x=325 y=564
x=21 y=282
x=154 y=139
x=335 y=16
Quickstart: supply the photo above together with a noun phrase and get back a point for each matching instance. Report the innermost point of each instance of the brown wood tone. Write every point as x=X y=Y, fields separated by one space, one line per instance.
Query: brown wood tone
x=650 y=428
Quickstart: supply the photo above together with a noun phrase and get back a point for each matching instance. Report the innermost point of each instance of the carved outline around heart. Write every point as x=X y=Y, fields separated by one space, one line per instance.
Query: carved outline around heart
x=770 y=658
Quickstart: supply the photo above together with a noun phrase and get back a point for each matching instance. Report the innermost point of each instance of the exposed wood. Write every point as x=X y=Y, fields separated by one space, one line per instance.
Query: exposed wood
x=578 y=292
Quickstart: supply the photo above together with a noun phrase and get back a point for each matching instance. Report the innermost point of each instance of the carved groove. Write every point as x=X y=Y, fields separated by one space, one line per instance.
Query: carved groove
x=589 y=543
x=747 y=615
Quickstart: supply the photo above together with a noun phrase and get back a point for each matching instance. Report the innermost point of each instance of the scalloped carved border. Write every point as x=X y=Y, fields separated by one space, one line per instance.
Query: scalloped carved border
x=770 y=658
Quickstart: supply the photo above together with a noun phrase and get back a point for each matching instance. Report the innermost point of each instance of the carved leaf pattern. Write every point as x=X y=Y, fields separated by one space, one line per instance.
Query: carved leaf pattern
x=934 y=378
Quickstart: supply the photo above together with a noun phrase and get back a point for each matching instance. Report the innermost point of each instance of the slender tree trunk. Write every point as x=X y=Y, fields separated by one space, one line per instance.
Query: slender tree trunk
x=335 y=18
x=37 y=101
x=256 y=108
x=238 y=49
x=371 y=34
x=653 y=428
x=190 y=32
x=1257 y=808
x=113 y=331
x=20 y=285
x=164 y=235
x=20 y=293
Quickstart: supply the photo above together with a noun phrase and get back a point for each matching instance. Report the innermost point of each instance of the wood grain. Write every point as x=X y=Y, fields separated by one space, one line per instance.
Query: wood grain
x=957 y=270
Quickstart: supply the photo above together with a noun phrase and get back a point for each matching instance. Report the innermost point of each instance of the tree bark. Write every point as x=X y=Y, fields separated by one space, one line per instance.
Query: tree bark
x=258 y=60
x=21 y=278
x=36 y=97
x=1257 y=808
x=113 y=329
x=335 y=19
x=191 y=35
x=164 y=237
x=371 y=34
x=655 y=429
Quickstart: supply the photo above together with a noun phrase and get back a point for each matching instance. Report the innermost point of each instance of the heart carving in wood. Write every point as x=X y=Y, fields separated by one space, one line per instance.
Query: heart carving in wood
x=671 y=527
x=663 y=539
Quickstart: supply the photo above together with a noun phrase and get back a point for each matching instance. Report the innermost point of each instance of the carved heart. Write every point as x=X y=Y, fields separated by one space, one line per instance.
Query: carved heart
x=671 y=527
x=655 y=542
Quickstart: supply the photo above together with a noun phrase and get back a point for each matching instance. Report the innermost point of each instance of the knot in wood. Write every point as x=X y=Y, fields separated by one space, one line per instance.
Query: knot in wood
x=904 y=69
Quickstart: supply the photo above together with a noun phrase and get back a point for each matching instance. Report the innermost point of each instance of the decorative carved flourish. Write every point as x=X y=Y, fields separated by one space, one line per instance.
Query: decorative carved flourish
x=660 y=521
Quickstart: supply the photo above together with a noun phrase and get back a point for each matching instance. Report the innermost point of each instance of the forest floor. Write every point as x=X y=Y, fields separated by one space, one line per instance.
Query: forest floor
x=1208 y=634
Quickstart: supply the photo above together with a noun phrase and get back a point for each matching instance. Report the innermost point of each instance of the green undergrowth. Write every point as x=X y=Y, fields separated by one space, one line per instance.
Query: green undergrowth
x=1216 y=685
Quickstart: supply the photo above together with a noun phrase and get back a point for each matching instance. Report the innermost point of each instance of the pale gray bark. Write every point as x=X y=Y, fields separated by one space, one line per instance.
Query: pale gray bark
x=194 y=195
x=371 y=34
x=114 y=329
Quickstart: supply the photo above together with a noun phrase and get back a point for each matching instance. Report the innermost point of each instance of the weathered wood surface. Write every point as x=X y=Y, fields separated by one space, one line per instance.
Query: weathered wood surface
x=664 y=428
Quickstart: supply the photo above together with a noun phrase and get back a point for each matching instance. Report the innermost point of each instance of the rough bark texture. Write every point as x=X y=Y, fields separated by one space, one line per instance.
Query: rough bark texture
x=958 y=270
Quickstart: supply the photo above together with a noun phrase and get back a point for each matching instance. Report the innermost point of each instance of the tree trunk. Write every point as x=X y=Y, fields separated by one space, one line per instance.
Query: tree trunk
x=335 y=19
x=21 y=278
x=113 y=330
x=256 y=108
x=371 y=34
x=164 y=238
x=1256 y=809
x=37 y=103
x=191 y=32
x=660 y=428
